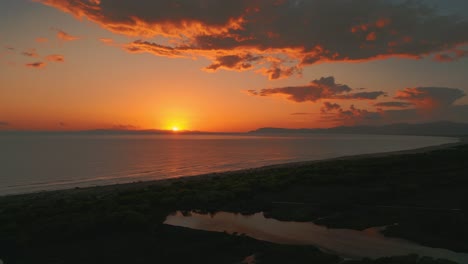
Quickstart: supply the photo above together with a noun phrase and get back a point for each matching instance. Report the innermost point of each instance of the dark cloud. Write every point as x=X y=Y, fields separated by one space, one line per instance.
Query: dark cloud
x=278 y=71
x=62 y=124
x=285 y=34
x=37 y=65
x=430 y=97
x=235 y=62
x=323 y=88
x=393 y=104
x=362 y=95
x=140 y=46
x=4 y=123
x=334 y=113
x=55 y=58
x=328 y=107
x=30 y=53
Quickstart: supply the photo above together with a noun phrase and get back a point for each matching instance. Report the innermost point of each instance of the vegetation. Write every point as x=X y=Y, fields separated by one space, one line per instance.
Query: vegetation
x=424 y=193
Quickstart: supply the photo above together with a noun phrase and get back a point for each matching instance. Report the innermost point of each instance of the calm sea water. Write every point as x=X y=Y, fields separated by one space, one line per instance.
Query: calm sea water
x=30 y=163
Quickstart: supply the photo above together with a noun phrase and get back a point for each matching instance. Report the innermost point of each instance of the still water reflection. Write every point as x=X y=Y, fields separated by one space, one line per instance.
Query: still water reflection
x=344 y=242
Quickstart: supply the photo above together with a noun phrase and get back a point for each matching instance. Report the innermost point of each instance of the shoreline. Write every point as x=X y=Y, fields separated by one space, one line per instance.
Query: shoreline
x=353 y=192
x=109 y=188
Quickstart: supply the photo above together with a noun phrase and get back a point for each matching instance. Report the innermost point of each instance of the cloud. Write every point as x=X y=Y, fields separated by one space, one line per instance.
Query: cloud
x=55 y=58
x=362 y=95
x=334 y=113
x=284 y=35
x=36 y=65
x=323 y=88
x=30 y=53
x=278 y=71
x=452 y=55
x=4 y=123
x=140 y=46
x=393 y=104
x=328 y=107
x=42 y=40
x=62 y=124
x=236 y=62
x=430 y=97
x=62 y=35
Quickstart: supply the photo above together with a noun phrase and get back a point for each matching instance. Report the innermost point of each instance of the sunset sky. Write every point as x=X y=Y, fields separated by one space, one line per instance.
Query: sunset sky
x=231 y=65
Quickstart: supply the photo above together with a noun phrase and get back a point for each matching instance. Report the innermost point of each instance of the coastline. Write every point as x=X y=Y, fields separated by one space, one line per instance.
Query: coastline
x=131 y=186
x=423 y=190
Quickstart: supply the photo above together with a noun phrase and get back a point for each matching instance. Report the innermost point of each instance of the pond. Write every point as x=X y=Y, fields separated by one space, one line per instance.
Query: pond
x=344 y=242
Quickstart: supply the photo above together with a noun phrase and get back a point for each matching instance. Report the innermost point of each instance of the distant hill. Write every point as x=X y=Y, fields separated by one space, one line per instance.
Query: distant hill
x=442 y=128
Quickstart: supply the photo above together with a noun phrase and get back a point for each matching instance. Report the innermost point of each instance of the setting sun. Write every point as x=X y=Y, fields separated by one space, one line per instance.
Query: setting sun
x=175 y=129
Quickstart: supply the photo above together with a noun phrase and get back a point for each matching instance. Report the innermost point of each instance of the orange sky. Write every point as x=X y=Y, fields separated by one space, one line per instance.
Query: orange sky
x=65 y=66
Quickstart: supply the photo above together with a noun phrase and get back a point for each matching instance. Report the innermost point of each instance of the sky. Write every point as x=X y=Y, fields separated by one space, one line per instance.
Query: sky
x=231 y=65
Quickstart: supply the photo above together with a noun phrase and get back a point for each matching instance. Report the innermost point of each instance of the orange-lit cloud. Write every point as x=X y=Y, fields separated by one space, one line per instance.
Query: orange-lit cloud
x=36 y=65
x=62 y=35
x=323 y=88
x=4 y=123
x=55 y=58
x=275 y=38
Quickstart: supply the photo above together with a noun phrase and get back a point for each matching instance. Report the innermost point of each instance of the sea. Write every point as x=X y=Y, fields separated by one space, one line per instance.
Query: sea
x=41 y=162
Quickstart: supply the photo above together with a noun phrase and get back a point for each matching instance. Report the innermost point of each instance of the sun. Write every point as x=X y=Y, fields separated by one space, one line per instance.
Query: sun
x=175 y=129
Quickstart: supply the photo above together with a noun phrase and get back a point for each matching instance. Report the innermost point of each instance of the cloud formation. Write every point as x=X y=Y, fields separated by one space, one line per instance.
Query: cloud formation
x=421 y=104
x=430 y=97
x=30 y=53
x=62 y=35
x=4 y=123
x=55 y=58
x=334 y=113
x=323 y=88
x=393 y=104
x=328 y=107
x=283 y=36
x=36 y=65
x=452 y=55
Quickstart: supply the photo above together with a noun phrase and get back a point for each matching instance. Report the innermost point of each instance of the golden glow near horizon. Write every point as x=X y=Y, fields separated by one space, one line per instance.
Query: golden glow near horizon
x=60 y=79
